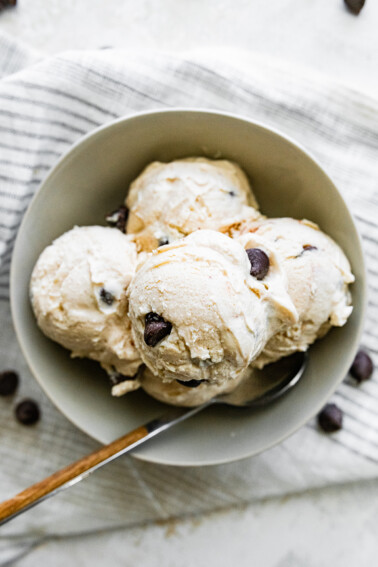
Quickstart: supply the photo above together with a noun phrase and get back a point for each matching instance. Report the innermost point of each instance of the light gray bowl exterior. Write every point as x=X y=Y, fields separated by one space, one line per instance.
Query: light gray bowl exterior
x=92 y=179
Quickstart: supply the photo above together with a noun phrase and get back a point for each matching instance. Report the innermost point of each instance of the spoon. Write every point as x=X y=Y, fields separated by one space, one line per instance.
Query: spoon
x=259 y=388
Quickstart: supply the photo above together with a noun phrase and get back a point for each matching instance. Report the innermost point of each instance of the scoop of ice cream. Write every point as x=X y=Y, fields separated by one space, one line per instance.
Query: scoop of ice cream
x=196 y=312
x=171 y=200
x=78 y=293
x=187 y=394
x=318 y=274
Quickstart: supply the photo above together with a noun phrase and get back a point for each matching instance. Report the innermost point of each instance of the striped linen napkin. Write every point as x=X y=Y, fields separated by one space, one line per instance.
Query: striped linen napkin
x=46 y=104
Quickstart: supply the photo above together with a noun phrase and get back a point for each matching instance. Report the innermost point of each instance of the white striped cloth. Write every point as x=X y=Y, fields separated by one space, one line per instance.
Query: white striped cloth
x=45 y=106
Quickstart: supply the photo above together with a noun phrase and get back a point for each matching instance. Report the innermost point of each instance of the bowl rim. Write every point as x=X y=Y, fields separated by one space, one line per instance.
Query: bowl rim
x=215 y=112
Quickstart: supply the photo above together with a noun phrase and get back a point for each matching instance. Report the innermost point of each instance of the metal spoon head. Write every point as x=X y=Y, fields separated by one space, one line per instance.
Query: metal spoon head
x=261 y=387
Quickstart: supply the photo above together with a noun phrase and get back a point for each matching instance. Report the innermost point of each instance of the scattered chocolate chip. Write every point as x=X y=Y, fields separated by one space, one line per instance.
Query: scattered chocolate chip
x=330 y=419
x=309 y=247
x=305 y=248
x=362 y=367
x=232 y=193
x=106 y=296
x=7 y=4
x=355 y=6
x=156 y=328
x=27 y=412
x=163 y=241
x=259 y=262
x=118 y=218
x=8 y=382
x=190 y=383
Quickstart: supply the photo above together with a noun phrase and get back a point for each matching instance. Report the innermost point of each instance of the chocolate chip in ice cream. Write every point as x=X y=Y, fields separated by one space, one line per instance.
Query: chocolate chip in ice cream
x=362 y=367
x=259 y=262
x=305 y=248
x=8 y=382
x=308 y=247
x=106 y=296
x=118 y=218
x=355 y=6
x=156 y=328
x=27 y=412
x=330 y=419
x=190 y=383
x=163 y=241
x=117 y=378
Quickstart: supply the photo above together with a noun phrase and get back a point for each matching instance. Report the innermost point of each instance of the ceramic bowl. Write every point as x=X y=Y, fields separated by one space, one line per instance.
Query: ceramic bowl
x=91 y=180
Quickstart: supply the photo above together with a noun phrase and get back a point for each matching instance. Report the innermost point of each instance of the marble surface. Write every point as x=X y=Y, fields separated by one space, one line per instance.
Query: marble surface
x=335 y=526
x=319 y=35
x=332 y=526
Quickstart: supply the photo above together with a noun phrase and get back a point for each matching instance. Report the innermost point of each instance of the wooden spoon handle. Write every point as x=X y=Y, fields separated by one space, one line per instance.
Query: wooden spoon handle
x=75 y=472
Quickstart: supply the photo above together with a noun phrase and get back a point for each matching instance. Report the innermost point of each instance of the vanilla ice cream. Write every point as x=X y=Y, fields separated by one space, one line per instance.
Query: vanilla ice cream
x=171 y=200
x=318 y=274
x=78 y=293
x=202 y=289
x=178 y=394
x=196 y=311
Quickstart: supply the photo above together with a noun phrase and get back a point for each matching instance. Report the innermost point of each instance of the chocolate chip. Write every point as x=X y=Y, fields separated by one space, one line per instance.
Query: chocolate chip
x=117 y=378
x=106 y=296
x=7 y=3
x=362 y=367
x=330 y=419
x=355 y=6
x=8 y=382
x=309 y=247
x=156 y=328
x=163 y=241
x=118 y=218
x=259 y=262
x=190 y=383
x=232 y=193
x=27 y=412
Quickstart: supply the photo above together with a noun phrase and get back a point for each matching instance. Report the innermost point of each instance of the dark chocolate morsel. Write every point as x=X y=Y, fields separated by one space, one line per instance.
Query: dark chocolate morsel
x=118 y=218
x=355 y=6
x=106 y=296
x=362 y=367
x=190 y=383
x=232 y=193
x=27 y=412
x=259 y=262
x=8 y=382
x=330 y=419
x=156 y=328
x=117 y=378
x=7 y=3
x=309 y=247
x=163 y=241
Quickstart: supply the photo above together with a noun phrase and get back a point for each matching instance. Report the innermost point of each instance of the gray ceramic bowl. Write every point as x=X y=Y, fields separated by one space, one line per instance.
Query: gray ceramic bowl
x=92 y=179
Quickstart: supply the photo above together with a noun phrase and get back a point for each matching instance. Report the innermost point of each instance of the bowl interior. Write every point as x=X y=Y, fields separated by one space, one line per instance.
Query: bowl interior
x=90 y=181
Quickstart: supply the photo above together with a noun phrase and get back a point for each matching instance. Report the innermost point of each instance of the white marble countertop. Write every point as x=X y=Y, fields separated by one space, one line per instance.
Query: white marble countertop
x=333 y=526
x=321 y=36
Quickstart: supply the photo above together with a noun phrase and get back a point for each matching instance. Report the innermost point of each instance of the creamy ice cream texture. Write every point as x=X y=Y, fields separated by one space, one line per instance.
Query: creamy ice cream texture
x=78 y=293
x=177 y=394
x=201 y=286
x=168 y=201
x=318 y=274
x=194 y=310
